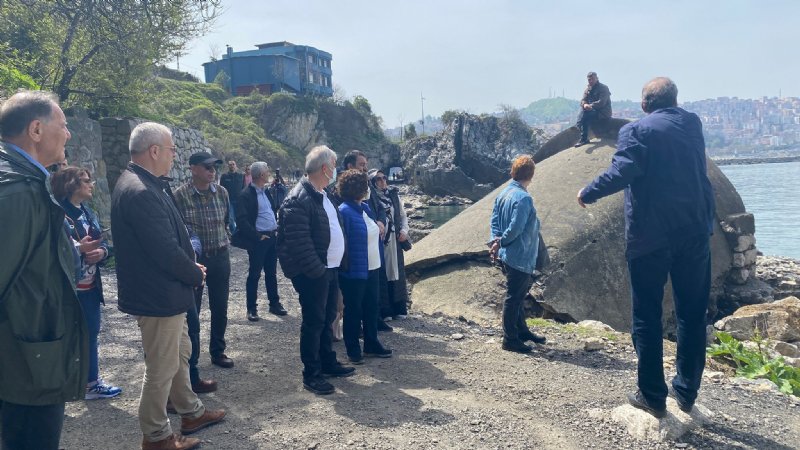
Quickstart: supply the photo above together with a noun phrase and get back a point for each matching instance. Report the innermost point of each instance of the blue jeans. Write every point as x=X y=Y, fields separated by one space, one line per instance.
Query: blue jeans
x=688 y=263
x=90 y=304
x=193 y=329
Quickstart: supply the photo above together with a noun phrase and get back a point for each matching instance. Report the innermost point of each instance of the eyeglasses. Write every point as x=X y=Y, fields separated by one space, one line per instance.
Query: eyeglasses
x=88 y=181
x=173 y=148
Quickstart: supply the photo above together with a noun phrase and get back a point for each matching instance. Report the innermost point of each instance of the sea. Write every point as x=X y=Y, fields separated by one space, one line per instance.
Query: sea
x=771 y=191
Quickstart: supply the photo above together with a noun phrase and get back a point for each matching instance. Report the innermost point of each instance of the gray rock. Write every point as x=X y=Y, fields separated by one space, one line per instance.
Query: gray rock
x=779 y=320
x=593 y=344
x=642 y=425
x=594 y=325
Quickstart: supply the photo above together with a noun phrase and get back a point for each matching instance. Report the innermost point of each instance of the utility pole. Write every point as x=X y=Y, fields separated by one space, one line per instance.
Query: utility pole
x=422 y=105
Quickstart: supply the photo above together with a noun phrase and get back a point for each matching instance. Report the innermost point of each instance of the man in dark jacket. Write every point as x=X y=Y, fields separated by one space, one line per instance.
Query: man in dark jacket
x=233 y=182
x=44 y=351
x=257 y=232
x=156 y=276
x=669 y=212
x=595 y=105
x=311 y=249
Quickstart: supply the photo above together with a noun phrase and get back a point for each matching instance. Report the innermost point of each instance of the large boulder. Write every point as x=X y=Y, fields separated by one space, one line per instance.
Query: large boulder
x=779 y=320
x=470 y=157
x=587 y=278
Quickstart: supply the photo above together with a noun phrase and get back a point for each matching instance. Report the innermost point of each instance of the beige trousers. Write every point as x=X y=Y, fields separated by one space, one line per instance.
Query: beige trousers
x=166 y=375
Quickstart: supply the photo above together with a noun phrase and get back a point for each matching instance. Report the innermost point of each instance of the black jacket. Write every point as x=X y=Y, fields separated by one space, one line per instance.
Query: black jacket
x=600 y=98
x=246 y=215
x=304 y=233
x=233 y=183
x=156 y=270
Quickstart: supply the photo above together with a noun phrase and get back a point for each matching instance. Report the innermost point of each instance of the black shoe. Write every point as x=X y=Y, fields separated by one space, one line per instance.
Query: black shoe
x=519 y=347
x=338 y=371
x=356 y=360
x=319 y=386
x=380 y=352
x=252 y=316
x=277 y=309
x=637 y=400
x=222 y=360
x=533 y=337
x=683 y=405
x=383 y=326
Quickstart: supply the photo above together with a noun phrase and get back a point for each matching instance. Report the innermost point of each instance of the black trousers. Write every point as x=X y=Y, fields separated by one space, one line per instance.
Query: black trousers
x=688 y=263
x=318 y=307
x=360 y=306
x=263 y=256
x=218 y=274
x=518 y=284
x=26 y=427
x=585 y=120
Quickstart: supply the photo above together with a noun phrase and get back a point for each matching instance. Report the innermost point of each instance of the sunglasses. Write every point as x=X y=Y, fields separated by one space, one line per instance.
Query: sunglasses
x=210 y=167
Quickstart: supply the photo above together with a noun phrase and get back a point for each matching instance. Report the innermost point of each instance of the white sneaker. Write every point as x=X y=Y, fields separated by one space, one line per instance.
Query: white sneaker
x=400 y=317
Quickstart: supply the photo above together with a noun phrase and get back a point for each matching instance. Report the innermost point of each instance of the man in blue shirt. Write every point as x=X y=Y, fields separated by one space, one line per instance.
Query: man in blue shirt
x=669 y=212
x=257 y=228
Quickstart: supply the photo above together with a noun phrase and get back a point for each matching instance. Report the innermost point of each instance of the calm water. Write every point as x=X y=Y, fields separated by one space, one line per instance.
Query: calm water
x=772 y=193
x=437 y=215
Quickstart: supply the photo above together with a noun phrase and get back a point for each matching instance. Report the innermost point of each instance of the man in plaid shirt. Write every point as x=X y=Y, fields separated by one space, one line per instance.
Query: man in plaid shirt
x=204 y=205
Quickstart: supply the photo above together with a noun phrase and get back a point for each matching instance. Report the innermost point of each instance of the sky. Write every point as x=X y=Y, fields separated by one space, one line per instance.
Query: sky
x=476 y=55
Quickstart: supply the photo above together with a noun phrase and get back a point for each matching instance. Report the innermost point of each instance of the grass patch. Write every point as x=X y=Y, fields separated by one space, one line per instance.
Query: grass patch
x=755 y=363
x=573 y=328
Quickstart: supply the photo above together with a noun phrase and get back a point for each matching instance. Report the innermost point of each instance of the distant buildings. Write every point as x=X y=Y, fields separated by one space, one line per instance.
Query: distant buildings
x=274 y=67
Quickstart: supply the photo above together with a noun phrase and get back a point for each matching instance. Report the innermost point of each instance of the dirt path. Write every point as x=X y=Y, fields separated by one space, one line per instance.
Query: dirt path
x=436 y=392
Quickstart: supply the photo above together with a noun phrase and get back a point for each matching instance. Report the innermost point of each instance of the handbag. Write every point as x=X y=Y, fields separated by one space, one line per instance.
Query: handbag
x=542 y=257
x=405 y=245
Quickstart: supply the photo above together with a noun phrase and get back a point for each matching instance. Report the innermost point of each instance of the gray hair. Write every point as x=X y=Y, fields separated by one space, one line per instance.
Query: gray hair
x=146 y=135
x=258 y=168
x=318 y=157
x=24 y=107
x=659 y=93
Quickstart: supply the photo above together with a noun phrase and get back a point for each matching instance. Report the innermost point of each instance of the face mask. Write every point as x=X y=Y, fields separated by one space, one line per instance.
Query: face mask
x=333 y=177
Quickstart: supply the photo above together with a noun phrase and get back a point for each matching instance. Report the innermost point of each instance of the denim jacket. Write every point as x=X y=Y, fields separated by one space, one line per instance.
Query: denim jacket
x=514 y=221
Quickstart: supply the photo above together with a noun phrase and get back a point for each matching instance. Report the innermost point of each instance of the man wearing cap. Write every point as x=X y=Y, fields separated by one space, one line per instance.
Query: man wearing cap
x=595 y=105
x=204 y=206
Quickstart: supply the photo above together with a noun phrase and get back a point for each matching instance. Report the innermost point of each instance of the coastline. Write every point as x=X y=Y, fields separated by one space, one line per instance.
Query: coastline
x=759 y=160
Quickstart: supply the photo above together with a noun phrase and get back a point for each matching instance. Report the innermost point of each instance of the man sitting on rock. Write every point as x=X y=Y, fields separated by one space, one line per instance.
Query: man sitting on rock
x=669 y=212
x=595 y=105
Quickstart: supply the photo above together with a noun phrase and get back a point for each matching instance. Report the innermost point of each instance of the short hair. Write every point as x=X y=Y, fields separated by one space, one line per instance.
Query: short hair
x=24 y=107
x=591 y=74
x=522 y=168
x=660 y=92
x=351 y=158
x=66 y=181
x=146 y=135
x=318 y=157
x=353 y=185
x=258 y=168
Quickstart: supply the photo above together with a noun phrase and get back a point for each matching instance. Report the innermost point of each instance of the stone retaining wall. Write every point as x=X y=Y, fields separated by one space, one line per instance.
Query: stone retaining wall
x=102 y=147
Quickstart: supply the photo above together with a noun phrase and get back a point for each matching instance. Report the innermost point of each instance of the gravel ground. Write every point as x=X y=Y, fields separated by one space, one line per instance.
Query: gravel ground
x=448 y=386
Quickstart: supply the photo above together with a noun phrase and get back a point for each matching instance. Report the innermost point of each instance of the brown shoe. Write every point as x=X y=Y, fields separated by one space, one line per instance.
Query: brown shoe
x=204 y=386
x=222 y=361
x=209 y=417
x=173 y=442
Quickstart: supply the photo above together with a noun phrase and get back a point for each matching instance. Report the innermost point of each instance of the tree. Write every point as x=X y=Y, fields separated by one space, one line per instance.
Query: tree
x=411 y=131
x=449 y=116
x=101 y=52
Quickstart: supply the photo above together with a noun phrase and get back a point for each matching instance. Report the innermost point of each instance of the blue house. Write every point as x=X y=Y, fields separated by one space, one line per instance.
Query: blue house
x=275 y=67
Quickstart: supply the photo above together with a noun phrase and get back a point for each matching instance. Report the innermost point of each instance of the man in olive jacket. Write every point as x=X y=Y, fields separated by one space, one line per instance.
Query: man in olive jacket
x=156 y=277
x=43 y=336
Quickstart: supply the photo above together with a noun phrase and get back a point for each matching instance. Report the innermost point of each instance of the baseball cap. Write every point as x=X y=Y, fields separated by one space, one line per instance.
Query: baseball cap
x=203 y=158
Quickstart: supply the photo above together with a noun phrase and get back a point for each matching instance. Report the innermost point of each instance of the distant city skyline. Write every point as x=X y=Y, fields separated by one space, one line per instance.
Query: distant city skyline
x=475 y=56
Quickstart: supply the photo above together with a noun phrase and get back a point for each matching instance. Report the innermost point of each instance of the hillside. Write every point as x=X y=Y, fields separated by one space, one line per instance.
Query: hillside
x=560 y=109
x=280 y=128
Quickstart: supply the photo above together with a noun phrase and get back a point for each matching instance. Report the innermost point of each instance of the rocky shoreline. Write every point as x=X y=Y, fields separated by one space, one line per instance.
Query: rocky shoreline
x=416 y=202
